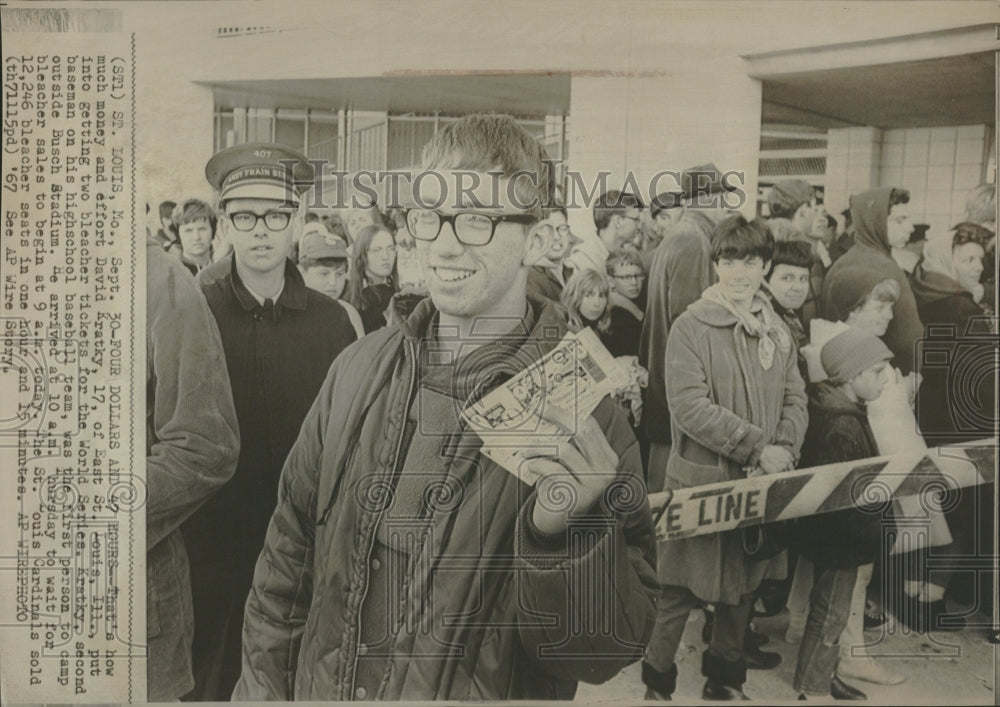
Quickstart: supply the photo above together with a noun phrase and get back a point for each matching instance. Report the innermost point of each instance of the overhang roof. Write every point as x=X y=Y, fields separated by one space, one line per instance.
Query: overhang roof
x=929 y=79
x=523 y=94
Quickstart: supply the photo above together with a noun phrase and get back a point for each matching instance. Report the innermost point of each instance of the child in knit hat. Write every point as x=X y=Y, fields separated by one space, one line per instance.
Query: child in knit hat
x=863 y=302
x=838 y=543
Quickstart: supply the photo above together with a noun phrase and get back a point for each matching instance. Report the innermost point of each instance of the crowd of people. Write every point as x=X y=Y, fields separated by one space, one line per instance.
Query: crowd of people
x=346 y=537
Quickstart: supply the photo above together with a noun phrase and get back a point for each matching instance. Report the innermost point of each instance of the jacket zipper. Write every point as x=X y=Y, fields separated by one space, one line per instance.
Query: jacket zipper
x=397 y=463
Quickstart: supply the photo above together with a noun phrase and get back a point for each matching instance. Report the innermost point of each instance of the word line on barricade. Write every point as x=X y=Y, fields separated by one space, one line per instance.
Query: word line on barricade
x=728 y=505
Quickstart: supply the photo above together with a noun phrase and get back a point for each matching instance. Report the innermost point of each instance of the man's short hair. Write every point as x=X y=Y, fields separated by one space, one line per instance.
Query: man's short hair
x=798 y=254
x=621 y=257
x=306 y=263
x=735 y=238
x=898 y=196
x=167 y=208
x=556 y=209
x=193 y=210
x=613 y=202
x=495 y=143
x=981 y=204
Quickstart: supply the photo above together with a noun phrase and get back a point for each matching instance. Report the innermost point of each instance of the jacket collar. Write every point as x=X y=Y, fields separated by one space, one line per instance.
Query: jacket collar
x=714 y=314
x=831 y=400
x=540 y=331
x=931 y=286
x=294 y=295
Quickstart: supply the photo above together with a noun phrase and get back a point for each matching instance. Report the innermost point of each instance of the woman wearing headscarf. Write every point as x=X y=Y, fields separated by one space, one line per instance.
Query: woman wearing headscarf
x=946 y=284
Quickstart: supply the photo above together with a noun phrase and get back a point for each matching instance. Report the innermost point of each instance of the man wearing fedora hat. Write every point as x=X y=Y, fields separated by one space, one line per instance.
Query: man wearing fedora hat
x=279 y=338
x=679 y=271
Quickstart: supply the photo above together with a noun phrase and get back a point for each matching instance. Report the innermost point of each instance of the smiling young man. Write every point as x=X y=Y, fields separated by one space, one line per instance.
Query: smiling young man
x=548 y=276
x=737 y=404
x=404 y=564
x=279 y=338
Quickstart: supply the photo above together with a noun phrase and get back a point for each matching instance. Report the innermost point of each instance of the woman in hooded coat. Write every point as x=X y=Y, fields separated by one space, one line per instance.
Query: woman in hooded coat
x=881 y=222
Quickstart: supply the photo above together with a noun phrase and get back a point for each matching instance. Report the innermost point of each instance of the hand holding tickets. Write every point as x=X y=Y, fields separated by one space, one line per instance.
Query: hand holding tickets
x=571 y=479
x=544 y=410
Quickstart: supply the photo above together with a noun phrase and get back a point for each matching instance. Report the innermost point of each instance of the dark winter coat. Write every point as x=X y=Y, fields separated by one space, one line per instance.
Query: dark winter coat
x=493 y=612
x=942 y=301
x=375 y=300
x=839 y=431
x=277 y=358
x=622 y=337
x=955 y=402
x=192 y=443
x=681 y=270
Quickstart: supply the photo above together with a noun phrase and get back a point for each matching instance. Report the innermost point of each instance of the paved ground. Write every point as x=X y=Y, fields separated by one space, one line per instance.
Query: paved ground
x=945 y=668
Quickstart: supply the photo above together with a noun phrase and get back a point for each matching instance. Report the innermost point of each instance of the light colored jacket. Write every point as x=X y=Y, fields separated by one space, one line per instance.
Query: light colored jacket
x=724 y=409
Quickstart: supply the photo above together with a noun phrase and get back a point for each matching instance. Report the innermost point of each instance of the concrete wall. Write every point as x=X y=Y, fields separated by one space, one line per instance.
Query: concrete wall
x=630 y=126
x=655 y=85
x=852 y=164
x=937 y=165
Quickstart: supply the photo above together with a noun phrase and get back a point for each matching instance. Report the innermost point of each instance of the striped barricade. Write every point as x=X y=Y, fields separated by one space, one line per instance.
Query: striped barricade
x=713 y=508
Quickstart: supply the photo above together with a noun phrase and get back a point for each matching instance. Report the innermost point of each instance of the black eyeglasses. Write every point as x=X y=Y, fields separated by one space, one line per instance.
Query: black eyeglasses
x=470 y=227
x=247 y=220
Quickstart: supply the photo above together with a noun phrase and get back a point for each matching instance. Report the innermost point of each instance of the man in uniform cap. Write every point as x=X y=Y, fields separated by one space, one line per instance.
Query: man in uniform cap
x=279 y=338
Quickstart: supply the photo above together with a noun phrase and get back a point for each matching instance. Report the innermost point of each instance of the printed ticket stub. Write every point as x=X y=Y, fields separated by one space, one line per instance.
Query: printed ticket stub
x=568 y=382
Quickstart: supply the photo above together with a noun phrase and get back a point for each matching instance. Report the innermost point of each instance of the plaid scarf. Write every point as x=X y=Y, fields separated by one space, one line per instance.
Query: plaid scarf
x=758 y=320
